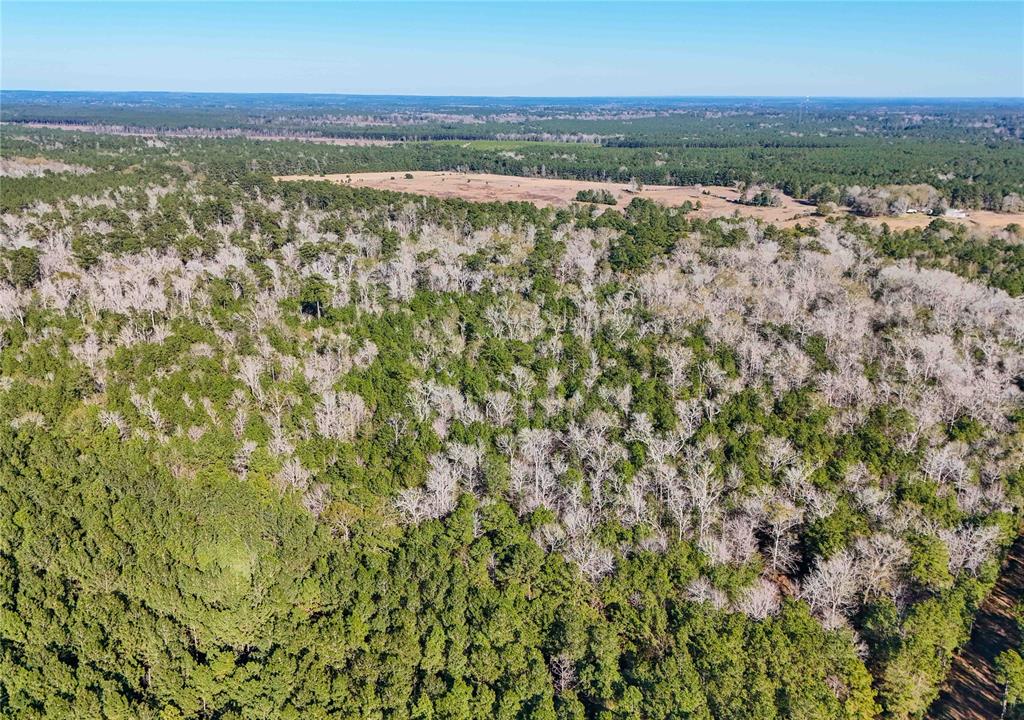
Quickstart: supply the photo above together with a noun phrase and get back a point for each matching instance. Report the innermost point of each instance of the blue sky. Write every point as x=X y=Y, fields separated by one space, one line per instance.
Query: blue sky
x=891 y=49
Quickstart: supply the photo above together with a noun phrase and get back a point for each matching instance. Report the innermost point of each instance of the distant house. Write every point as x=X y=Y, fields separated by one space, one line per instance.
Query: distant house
x=955 y=213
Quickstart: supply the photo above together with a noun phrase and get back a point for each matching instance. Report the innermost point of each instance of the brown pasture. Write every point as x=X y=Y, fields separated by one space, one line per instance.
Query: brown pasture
x=716 y=201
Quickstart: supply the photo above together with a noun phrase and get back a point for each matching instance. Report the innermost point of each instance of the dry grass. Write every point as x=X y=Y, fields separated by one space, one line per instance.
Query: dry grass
x=717 y=201
x=17 y=167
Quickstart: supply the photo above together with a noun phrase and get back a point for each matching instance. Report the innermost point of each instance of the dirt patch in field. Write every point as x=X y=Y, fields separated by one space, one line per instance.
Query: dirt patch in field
x=716 y=201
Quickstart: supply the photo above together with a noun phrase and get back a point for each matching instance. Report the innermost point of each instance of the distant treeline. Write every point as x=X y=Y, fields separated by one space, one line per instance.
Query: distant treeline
x=965 y=174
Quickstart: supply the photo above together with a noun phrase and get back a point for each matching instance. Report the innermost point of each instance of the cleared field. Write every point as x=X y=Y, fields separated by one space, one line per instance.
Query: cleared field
x=716 y=201
x=559 y=192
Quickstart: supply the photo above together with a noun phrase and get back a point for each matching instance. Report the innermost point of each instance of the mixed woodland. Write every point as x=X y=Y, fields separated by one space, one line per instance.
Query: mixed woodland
x=960 y=153
x=300 y=450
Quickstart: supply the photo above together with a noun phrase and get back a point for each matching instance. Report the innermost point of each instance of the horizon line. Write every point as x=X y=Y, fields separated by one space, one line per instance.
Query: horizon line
x=521 y=97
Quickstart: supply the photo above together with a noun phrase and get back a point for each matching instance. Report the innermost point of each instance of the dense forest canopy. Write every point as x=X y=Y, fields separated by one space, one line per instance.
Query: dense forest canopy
x=302 y=450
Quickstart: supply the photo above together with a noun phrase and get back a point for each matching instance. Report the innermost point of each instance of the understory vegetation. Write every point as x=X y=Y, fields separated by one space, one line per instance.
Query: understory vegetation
x=301 y=450
x=602 y=197
x=1010 y=671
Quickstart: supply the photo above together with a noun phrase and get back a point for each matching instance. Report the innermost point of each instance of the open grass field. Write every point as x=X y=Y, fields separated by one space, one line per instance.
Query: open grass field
x=716 y=201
